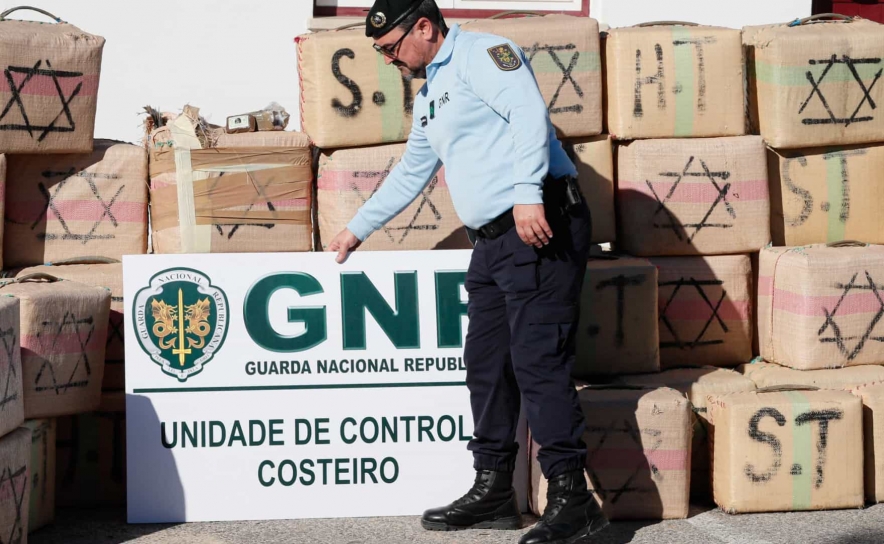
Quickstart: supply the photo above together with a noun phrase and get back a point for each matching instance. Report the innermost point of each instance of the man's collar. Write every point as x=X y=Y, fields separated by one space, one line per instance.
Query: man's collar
x=447 y=48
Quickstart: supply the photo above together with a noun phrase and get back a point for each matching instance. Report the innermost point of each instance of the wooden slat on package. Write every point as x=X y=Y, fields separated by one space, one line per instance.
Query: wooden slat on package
x=873 y=440
x=15 y=493
x=594 y=160
x=697 y=384
x=773 y=375
x=822 y=195
x=41 y=509
x=63 y=337
x=787 y=451
x=349 y=95
x=700 y=196
x=821 y=307
x=564 y=55
x=109 y=276
x=817 y=84
x=76 y=205
x=347 y=178
x=51 y=85
x=91 y=453
x=705 y=306
x=618 y=316
x=12 y=411
x=255 y=195
x=674 y=81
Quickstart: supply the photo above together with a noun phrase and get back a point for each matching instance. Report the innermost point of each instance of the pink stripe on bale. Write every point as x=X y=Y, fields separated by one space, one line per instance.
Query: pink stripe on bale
x=346 y=180
x=697 y=192
x=629 y=459
x=44 y=85
x=816 y=306
x=48 y=343
x=699 y=310
x=78 y=210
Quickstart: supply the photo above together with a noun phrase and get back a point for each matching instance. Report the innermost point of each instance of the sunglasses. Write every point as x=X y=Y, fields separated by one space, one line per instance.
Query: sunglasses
x=392 y=50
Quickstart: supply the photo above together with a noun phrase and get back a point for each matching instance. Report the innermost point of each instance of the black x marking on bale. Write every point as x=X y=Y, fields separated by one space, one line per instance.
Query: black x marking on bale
x=49 y=197
x=613 y=494
x=850 y=63
x=425 y=202
x=9 y=340
x=838 y=337
x=55 y=330
x=16 y=99
x=567 y=76
x=700 y=286
x=263 y=199
x=709 y=175
x=8 y=475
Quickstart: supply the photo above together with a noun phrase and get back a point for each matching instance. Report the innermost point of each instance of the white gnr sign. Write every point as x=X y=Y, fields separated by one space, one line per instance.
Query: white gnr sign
x=267 y=386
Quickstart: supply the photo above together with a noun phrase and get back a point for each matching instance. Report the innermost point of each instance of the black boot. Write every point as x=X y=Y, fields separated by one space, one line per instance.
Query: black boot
x=571 y=513
x=489 y=504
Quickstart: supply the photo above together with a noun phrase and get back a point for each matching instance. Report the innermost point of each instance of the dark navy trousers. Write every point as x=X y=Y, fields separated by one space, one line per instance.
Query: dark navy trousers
x=523 y=310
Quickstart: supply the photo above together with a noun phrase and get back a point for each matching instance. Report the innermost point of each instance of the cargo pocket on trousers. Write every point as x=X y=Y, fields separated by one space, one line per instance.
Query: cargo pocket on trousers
x=525 y=270
x=556 y=323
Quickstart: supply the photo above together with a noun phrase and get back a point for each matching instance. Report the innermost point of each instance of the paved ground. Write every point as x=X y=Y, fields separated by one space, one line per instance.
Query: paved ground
x=703 y=527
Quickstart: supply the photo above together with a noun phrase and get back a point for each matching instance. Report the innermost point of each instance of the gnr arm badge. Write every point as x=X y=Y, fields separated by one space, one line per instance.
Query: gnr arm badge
x=504 y=57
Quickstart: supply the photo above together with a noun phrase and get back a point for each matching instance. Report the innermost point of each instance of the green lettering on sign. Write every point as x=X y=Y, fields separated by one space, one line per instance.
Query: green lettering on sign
x=256 y=312
x=358 y=295
x=449 y=309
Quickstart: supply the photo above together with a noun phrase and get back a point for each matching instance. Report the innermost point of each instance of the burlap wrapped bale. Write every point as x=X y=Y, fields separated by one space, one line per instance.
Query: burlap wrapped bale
x=63 y=336
x=15 y=493
x=12 y=411
x=564 y=55
x=697 y=384
x=639 y=443
x=773 y=375
x=674 y=81
x=109 y=276
x=41 y=509
x=618 y=315
x=873 y=440
x=705 y=306
x=254 y=195
x=50 y=88
x=91 y=456
x=347 y=178
x=349 y=95
x=66 y=206
x=826 y=194
x=701 y=196
x=748 y=37
x=787 y=451
x=594 y=160
x=816 y=83
x=820 y=307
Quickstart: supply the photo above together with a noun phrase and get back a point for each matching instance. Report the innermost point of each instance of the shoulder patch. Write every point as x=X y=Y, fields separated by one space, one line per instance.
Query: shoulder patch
x=504 y=57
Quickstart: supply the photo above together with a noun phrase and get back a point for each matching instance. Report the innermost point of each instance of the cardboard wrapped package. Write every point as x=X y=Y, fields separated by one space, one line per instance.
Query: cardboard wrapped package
x=12 y=411
x=349 y=177
x=705 y=308
x=91 y=457
x=69 y=206
x=639 y=443
x=701 y=196
x=349 y=95
x=697 y=384
x=820 y=307
x=674 y=81
x=15 y=493
x=772 y=375
x=787 y=451
x=748 y=35
x=254 y=195
x=41 y=509
x=109 y=276
x=63 y=336
x=618 y=315
x=816 y=83
x=873 y=440
x=564 y=55
x=594 y=160
x=822 y=195
x=51 y=86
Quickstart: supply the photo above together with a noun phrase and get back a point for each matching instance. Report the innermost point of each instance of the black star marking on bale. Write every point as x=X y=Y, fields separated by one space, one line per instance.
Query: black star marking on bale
x=567 y=76
x=838 y=337
x=815 y=90
x=39 y=131
x=700 y=286
x=9 y=475
x=84 y=329
x=710 y=176
x=9 y=341
x=261 y=200
x=608 y=491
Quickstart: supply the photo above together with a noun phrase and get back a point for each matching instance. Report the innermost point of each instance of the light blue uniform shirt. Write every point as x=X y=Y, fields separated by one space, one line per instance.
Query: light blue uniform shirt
x=490 y=127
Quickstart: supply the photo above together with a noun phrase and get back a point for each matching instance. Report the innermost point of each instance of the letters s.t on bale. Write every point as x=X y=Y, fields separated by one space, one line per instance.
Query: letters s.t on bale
x=49 y=88
x=674 y=81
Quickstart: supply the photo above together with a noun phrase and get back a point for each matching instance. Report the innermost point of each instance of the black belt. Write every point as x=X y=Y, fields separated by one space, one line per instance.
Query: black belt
x=497 y=227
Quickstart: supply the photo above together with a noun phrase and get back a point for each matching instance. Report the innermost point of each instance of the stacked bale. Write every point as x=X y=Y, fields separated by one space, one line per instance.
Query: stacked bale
x=41 y=508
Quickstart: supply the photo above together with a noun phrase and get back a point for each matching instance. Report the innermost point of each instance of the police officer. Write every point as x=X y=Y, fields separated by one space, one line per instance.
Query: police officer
x=482 y=115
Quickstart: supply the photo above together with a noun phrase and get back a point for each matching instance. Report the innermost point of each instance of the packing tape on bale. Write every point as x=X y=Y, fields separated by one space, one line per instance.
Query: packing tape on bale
x=684 y=76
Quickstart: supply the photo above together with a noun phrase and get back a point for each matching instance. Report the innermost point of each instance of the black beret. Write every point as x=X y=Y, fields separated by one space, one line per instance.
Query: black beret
x=385 y=15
